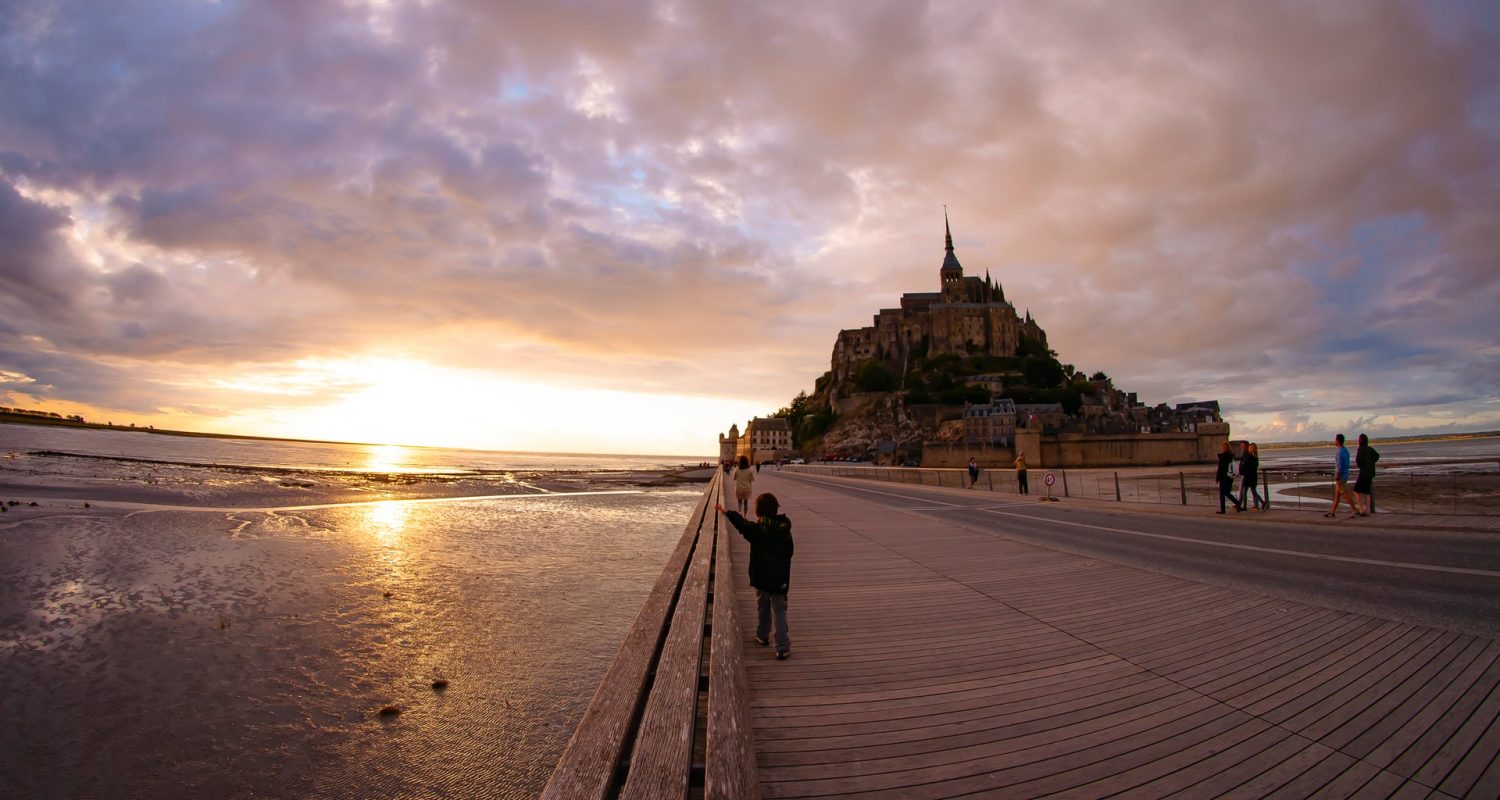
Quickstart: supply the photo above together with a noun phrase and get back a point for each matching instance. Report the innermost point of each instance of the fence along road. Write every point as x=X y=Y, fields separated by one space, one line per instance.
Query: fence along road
x=933 y=659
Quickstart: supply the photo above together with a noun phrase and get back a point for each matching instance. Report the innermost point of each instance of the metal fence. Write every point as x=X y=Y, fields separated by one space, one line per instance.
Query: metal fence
x=1402 y=492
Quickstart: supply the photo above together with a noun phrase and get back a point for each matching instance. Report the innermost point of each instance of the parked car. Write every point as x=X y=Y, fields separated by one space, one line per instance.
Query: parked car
x=910 y=463
x=797 y=461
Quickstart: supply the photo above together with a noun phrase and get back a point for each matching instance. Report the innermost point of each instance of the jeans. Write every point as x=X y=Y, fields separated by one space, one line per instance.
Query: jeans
x=1021 y=481
x=772 y=606
x=1226 y=492
x=1248 y=485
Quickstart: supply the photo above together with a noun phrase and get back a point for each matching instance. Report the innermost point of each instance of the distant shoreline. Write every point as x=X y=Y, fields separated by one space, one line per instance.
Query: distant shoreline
x=27 y=419
x=1435 y=437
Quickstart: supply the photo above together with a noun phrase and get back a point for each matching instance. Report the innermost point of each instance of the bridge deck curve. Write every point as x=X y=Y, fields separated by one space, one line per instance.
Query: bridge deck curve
x=933 y=661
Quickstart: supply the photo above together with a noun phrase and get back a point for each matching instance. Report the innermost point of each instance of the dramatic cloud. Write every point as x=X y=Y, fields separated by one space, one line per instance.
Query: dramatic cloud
x=1288 y=206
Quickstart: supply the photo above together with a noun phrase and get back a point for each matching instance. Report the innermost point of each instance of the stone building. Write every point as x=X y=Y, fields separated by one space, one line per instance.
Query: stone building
x=729 y=446
x=991 y=423
x=968 y=315
x=766 y=439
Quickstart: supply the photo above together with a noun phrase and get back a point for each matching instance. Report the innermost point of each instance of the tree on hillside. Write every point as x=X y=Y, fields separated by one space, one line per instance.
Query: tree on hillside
x=872 y=376
x=1042 y=372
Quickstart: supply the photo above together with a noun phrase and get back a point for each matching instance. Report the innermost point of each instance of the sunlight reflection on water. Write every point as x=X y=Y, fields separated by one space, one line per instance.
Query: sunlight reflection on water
x=262 y=645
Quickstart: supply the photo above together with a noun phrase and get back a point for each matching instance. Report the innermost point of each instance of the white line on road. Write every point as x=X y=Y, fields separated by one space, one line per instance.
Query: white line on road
x=1188 y=540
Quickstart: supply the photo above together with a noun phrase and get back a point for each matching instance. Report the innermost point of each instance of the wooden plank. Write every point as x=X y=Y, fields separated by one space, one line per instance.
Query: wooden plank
x=1435 y=666
x=1483 y=730
x=935 y=661
x=730 y=770
x=1410 y=720
x=661 y=765
x=1281 y=773
x=1409 y=746
x=587 y=766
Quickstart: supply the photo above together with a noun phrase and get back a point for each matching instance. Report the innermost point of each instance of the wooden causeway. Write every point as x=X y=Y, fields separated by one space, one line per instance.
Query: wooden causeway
x=934 y=661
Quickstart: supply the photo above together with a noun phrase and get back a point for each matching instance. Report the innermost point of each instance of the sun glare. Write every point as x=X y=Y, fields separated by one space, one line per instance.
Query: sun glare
x=386 y=458
x=413 y=403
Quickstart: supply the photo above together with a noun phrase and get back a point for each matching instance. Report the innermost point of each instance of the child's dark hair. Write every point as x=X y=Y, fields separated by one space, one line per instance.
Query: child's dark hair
x=766 y=505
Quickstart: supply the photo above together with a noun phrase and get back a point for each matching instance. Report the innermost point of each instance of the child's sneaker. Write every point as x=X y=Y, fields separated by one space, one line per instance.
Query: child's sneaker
x=782 y=655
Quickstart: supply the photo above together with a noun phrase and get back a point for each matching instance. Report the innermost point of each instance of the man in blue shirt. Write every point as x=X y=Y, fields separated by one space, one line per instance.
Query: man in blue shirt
x=1341 y=480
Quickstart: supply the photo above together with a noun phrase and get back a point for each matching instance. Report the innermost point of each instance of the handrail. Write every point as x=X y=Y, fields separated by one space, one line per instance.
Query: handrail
x=638 y=735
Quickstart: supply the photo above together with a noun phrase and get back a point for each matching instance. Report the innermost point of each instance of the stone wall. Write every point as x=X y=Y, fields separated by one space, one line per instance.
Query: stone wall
x=957 y=454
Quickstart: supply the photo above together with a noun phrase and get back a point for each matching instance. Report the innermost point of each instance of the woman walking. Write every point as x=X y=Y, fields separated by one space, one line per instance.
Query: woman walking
x=1364 y=458
x=1225 y=480
x=1250 y=470
x=744 y=477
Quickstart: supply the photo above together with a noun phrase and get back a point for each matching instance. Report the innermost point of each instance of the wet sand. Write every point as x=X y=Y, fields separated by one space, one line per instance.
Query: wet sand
x=249 y=651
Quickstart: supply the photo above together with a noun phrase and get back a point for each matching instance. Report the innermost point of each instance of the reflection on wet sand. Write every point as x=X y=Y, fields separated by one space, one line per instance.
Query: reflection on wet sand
x=387 y=518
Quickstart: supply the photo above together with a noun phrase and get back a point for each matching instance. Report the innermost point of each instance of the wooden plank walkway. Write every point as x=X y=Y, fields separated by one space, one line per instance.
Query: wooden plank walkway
x=931 y=661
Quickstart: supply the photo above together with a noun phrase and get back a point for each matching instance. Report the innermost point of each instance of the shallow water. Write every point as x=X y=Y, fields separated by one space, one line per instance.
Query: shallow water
x=286 y=454
x=248 y=653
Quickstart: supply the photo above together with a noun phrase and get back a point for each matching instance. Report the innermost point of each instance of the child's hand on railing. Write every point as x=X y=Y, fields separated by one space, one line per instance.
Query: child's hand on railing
x=719 y=507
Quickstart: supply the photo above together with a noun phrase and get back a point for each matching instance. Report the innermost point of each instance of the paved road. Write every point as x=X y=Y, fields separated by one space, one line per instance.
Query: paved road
x=1442 y=579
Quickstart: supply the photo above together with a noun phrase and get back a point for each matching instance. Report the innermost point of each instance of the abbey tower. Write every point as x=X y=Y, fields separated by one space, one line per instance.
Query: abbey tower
x=967 y=316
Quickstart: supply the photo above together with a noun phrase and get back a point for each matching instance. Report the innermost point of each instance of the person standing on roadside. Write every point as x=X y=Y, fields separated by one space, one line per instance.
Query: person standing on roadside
x=1250 y=473
x=1341 y=480
x=973 y=472
x=1225 y=480
x=1365 y=458
x=744 y=478
x=1021 y=473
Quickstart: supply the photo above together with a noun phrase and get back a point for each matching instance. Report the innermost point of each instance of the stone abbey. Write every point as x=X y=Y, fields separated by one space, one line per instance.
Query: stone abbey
x=969 y=316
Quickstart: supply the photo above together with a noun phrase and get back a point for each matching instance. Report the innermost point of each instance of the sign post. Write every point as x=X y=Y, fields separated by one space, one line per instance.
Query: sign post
x=1050 y=479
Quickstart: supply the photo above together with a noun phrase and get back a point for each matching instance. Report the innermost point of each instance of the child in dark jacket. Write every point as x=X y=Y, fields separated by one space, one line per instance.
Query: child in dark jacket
x=770 y=537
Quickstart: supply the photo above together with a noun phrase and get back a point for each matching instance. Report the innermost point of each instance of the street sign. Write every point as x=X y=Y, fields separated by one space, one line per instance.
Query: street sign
x=1050 y=479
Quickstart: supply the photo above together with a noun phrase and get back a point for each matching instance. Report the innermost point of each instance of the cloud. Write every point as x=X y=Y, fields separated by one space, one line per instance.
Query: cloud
x=1287 y=207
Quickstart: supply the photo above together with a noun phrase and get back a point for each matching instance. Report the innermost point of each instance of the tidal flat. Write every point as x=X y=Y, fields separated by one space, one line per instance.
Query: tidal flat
x=175 y=629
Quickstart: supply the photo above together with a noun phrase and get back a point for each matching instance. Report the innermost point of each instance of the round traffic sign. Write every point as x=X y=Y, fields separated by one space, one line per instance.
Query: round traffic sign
x=1049 y=479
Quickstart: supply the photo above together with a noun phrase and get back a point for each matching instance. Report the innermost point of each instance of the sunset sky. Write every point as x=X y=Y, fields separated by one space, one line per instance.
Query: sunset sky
x=623 y=226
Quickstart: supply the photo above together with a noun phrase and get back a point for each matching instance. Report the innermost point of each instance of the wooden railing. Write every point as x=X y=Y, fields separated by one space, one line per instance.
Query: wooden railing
x=671 y=718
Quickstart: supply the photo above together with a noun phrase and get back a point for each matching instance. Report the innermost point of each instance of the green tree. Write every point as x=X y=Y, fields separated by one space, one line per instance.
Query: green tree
x=1042 y=371
x=872 y=376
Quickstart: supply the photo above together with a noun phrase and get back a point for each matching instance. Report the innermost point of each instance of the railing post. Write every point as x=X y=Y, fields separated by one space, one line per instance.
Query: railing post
x=1182 y=484
x=1117 y=487
x=1265 y=489
x=989 y=477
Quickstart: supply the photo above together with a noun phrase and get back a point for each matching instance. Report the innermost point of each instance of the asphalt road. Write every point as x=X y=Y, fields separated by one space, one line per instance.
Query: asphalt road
x=1442 y=579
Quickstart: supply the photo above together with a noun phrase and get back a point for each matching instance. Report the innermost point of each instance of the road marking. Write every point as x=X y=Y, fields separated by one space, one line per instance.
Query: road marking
x=1227 y=545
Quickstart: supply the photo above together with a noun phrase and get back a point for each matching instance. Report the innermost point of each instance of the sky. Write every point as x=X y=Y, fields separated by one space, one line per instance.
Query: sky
x=617 y=226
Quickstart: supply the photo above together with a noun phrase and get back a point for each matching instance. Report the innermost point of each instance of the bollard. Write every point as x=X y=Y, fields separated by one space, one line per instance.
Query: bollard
x=1182 y=484
x=1117 y=487
x=1065 y=484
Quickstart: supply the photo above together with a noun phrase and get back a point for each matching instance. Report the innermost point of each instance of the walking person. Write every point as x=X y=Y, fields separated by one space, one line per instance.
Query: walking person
x=973 y=472
x=1364 y=458
x=1249 y=474
x=1341 y=480
x=1021 y=473
x=770 y=537
x=744 y=478
x=1225 y=479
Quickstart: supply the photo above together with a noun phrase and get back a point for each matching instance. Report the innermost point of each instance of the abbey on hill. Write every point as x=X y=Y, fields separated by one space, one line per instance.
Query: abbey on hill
x=959 y=373
x=968 y=316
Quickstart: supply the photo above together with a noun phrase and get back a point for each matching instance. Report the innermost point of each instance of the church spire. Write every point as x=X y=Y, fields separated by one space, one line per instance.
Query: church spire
x=952 y=272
